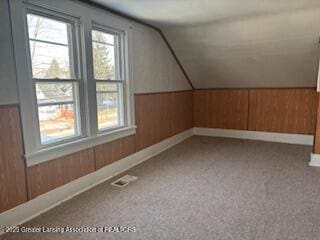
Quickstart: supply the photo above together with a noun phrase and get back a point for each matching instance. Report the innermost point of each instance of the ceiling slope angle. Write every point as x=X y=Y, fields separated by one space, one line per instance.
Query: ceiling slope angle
x=237 y=44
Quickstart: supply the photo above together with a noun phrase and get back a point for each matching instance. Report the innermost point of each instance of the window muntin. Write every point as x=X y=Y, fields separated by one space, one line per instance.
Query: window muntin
x=52 y=63
x=109 y=85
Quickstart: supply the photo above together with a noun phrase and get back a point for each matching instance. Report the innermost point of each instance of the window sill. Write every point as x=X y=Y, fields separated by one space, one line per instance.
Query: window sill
x=78 y=145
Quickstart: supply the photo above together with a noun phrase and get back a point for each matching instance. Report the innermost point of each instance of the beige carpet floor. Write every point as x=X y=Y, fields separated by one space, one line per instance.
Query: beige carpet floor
x=203 y=188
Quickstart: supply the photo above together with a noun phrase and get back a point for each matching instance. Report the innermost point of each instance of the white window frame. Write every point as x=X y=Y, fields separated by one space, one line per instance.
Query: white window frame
x=85 y=19
x=121 y=74
x=76 y=79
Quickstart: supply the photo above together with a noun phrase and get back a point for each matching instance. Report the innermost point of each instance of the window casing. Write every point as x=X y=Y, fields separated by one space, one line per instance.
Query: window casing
x=53 y=62
x=109 y=77
x=66 y=105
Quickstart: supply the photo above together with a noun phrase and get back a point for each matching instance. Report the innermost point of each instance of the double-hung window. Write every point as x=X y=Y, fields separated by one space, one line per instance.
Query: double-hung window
x=55 y=76
x=109 y=77
x=73 y=77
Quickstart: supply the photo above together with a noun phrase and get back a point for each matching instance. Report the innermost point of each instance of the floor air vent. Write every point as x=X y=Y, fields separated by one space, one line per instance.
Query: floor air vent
x=124 y=181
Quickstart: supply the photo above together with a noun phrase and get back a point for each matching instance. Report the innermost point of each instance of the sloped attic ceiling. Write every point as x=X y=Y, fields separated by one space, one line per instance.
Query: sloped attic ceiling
x=232 y=43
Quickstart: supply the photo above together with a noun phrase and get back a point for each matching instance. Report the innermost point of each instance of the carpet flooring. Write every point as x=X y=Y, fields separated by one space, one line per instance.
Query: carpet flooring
x=203 y=188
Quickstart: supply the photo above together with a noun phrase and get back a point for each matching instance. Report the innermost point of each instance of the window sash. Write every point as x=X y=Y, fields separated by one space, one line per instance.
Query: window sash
x=120 y=105
x=119 y=77
x=118 y=50
x=72 y=34
x=76 y=111
x=59 y=139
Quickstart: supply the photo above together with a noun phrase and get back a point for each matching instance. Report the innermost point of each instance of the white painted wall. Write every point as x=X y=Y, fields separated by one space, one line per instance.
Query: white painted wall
x=153 y=67
x=8 y=81
x=276 y=50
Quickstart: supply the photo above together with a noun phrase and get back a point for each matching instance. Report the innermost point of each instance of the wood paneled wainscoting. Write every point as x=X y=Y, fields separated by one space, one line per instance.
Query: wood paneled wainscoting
x=266 y=110
x=108 y=153
x=226 y=109
x=49 y=175
x=158 y=116
x=12 y=167
x=162 y=115
x=282 y=110
x=316 y=147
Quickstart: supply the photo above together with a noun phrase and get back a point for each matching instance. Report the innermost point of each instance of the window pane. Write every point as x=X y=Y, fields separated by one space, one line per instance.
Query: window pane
x=49 y=60
x=102 y=37
x=49 y=47
x=103 y=61
x=108 y=110
x=47 y=29
x=57 y=122
x=54 y=92
x=104 y=55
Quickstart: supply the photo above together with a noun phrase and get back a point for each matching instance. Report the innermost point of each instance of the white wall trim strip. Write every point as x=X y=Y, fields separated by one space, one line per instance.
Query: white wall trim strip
x=314 y=160
x=255 y=135
x=49 y=200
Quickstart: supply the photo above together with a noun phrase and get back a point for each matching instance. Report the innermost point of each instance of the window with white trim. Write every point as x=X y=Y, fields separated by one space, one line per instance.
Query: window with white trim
x=107 y=66
x=52 y=57
x=73 y=77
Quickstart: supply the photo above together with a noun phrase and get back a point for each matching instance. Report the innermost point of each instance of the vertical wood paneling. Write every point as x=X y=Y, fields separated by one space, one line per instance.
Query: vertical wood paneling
x=161 y=115
x=12 y=168
x=283 y=110
x=110 y=152
x=226 y=109
x=316 y=146
x=52 y=174
x=181 y=111
x=152 y=119
x=158 y=116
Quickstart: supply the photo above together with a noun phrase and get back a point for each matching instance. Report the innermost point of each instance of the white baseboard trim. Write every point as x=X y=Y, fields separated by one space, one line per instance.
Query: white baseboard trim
x=314 y=160
x=255 y=135
x=49 y=200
